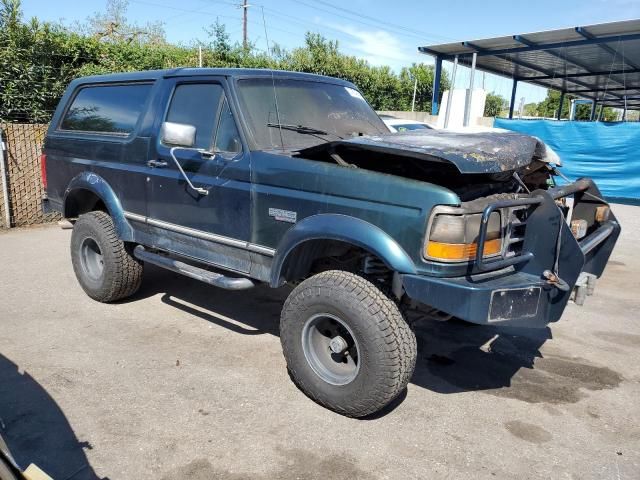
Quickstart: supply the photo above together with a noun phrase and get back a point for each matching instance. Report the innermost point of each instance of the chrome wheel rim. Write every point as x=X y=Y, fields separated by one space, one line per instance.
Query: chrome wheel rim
x=92 y=259
x=331 y=349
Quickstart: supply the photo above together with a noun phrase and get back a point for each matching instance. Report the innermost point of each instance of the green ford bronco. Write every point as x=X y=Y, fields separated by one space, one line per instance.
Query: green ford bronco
x=235 y=177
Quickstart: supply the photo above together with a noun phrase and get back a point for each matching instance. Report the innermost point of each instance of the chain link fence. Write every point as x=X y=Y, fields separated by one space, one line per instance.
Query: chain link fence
x=24 y=190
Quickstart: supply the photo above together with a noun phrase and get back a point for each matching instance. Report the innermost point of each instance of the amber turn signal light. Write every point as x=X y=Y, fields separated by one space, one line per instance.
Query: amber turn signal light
x=461 y=251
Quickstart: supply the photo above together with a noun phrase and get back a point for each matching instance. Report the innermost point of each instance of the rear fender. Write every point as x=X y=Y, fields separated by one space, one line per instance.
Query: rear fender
x=99 y=186
x=345 y=229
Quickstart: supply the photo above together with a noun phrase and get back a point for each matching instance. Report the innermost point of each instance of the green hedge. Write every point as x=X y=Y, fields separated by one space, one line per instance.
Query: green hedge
x=39 y=59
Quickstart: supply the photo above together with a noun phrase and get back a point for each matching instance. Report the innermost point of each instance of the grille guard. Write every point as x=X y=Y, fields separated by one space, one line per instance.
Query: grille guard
x=595 y=248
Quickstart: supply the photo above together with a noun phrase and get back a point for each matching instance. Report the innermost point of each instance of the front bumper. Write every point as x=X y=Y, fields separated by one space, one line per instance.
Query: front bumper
x=515 y=290
x=513 y=298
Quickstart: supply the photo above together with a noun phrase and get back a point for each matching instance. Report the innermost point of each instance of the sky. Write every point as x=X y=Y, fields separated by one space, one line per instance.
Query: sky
x=381 y=31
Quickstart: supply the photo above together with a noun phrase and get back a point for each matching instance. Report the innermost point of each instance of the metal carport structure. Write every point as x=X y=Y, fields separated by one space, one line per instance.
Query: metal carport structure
x=598 y=62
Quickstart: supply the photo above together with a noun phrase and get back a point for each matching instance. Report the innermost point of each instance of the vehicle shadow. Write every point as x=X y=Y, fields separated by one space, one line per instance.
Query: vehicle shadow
x=35 y=428
x=457 y=356
x=453 y=356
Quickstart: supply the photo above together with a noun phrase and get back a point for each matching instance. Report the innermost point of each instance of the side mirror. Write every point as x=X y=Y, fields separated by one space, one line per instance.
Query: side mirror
x=178 y=134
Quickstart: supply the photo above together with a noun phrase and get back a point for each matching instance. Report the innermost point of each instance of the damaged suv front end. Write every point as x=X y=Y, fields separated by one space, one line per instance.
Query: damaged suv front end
x=517 y=246
x=523 y=262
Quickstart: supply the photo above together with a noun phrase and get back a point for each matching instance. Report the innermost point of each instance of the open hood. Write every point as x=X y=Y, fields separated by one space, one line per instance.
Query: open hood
x=490 y=152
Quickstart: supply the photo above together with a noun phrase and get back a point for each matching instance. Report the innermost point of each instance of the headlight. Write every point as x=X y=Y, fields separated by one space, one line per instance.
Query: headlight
x=453 y=238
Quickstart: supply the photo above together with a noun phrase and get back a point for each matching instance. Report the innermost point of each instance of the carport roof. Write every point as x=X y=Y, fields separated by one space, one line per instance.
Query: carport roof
x=598 y=62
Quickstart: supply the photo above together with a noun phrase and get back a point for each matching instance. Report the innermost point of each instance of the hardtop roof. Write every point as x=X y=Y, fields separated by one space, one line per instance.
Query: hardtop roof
x=195 y=72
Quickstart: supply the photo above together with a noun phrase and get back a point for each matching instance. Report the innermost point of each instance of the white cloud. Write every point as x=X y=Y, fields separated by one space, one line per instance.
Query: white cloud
x=378 y=47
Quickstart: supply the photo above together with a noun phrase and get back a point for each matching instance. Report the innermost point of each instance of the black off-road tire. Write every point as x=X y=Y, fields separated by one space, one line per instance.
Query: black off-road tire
x=386 y=345
x=118 y=274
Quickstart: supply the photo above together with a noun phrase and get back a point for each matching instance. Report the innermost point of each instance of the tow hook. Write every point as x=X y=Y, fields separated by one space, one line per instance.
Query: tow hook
x=555 y=280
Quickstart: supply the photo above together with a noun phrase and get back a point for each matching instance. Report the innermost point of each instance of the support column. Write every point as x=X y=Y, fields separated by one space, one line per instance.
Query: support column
x=435 y=98
x=450 y=96
x=512 y=103
x=594 y=105
x=469 y=97
x=560 y=106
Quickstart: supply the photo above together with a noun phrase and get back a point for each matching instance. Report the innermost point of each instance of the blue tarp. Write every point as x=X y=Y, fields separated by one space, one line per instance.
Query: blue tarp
x=607 y=152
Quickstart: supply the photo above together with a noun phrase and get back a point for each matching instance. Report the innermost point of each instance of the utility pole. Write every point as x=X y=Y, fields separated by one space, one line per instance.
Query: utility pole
x=245 y=6
x=200 y=56
x=415 y=89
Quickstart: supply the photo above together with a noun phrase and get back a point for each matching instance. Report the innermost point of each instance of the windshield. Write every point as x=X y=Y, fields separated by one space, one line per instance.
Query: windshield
x=310 y=112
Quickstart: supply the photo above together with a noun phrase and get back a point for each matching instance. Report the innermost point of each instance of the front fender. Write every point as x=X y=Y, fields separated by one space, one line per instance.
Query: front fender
x=345 y=229
x=99 y=186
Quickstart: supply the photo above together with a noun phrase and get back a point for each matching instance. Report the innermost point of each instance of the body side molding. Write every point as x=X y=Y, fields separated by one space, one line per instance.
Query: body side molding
x=212 y=237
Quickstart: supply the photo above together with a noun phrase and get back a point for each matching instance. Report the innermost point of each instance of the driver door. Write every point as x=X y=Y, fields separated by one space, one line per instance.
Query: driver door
x=181 y=219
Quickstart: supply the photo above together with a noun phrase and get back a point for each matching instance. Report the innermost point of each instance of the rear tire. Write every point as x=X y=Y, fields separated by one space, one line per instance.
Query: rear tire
x=104 y=266
x=346 y=344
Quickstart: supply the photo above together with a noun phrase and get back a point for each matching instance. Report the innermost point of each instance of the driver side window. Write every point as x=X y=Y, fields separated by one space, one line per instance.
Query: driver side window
x=227 y=137
x=196 y=104
x=205 y=106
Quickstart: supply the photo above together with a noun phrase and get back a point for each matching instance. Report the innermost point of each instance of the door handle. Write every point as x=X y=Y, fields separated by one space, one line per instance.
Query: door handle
x=157 y=163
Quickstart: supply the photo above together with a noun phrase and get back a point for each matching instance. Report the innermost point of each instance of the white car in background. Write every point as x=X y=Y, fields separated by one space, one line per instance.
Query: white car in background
x=402 y=125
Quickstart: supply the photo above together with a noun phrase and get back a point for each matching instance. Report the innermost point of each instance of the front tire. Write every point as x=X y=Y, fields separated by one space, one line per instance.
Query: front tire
x=104 y=266
x=346 y=344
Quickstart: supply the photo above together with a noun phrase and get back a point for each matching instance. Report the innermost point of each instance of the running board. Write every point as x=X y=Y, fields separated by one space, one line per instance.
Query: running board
x=212 y=278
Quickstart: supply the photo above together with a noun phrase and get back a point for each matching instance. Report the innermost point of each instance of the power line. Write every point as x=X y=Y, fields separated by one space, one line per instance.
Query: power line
x=382 y=22
x=398 y=31
x=316 y=27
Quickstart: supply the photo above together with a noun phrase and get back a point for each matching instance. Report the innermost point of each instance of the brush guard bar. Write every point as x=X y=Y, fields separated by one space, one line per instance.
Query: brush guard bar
x=526 y=289
x=582 y=187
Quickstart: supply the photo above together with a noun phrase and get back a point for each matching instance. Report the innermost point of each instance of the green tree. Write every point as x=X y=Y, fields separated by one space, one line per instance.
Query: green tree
x=424 y=91
x=549 y=108
x=530 y=110
x=494 y=105
x=112 y=25
x=37 y=62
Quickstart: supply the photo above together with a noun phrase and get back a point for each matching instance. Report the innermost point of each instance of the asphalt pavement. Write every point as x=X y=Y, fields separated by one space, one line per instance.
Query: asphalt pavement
x=186 y=381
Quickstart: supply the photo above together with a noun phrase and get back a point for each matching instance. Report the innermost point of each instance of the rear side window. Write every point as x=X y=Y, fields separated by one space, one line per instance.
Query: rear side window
x=113 y=109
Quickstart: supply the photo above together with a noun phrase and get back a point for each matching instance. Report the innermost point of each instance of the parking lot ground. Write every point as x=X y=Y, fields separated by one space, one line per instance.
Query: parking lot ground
x=185 y=381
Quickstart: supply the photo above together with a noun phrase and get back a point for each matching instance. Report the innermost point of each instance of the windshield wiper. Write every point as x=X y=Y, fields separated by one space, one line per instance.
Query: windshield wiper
x=302 y=129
